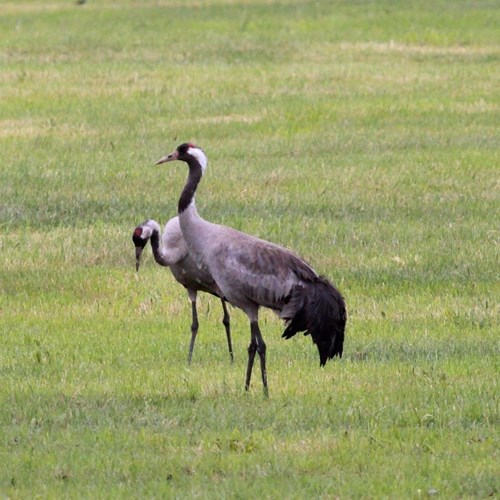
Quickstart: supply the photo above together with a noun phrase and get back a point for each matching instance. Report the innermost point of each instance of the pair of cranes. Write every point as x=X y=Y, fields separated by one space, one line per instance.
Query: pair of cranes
x=244 y=271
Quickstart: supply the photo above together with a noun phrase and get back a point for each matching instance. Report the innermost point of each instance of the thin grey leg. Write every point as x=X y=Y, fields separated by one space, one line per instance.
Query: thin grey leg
x=194 y=329
x=227 y=326
x=257 y=345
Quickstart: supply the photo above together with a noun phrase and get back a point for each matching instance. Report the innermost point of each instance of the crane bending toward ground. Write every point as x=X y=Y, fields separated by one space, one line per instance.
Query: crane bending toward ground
x=251 y=273
x=171 y=251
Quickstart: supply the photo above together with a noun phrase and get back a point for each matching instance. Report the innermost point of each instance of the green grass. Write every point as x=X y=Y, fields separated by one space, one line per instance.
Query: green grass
x=364 y=135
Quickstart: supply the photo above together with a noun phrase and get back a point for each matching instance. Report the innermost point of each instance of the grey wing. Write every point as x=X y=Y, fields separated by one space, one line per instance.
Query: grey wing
x=190 y=275
x=265 y=272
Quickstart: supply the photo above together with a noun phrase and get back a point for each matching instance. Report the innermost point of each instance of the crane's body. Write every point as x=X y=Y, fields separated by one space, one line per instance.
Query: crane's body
x=172 y=251
x=236 y=257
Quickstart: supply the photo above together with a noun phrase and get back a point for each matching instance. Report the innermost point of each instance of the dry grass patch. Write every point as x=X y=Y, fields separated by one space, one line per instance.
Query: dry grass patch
x=40 y=127
x=392 y=46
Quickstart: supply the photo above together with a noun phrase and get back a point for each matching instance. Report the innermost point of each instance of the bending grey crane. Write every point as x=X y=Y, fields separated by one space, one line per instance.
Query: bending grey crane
x=172 y=252
x=251 y=273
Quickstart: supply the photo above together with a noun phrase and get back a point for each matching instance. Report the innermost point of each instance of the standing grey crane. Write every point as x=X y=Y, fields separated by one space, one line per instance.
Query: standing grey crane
x=172 y=252
x=252 y=273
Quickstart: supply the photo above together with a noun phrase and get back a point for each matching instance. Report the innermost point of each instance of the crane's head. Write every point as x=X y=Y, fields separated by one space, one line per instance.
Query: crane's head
x=140 y=237
x=189 y=153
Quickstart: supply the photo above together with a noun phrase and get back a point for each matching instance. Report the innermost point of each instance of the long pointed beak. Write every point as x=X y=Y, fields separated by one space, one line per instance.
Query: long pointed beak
x=138 y=251
x=171 y=157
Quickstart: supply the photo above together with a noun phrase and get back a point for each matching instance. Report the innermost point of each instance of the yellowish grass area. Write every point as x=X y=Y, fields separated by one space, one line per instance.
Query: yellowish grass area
x=39 y=127
x=423 y=49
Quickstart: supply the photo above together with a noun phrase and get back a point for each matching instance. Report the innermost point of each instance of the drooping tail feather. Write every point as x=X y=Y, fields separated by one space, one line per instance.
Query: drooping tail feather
x=317 y=309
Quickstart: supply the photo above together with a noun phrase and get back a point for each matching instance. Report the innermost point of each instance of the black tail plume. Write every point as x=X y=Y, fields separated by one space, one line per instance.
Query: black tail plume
x=317 y=309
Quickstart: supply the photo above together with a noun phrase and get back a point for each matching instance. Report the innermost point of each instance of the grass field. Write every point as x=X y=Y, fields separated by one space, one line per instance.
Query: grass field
x=363 y=135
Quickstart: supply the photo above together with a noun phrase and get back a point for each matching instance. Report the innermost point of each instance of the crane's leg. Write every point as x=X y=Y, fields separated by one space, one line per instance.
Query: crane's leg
x=226 y=322
x=252 y=349
x=194 y=324
x=258 y=345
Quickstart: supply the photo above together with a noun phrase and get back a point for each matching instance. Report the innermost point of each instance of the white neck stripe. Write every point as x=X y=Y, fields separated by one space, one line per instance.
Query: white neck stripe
x=200 y=156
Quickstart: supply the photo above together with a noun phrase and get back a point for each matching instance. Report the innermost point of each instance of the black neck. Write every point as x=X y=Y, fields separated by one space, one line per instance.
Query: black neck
x=189 y=190
x=157 y=249
x=155 y=245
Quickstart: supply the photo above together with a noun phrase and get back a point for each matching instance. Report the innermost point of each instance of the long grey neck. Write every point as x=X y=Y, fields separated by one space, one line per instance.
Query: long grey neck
x=194 y=177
